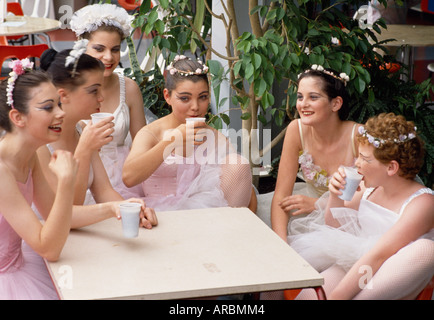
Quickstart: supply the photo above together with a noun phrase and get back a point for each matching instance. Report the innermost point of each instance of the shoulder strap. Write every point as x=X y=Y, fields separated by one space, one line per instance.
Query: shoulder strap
x=352 y=140
x=301 y=134
x=122 y=88
x=414 y=195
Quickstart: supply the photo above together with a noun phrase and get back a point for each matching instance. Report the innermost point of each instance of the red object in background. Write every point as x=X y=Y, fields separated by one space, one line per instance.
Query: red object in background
x=21 y=52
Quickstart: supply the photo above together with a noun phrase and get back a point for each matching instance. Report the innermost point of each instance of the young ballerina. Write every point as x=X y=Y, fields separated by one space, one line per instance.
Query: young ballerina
x=31 y=116
x=380 y=244
x=314 y=145
x=175 y=174
x=78 y=78
x=106 y=26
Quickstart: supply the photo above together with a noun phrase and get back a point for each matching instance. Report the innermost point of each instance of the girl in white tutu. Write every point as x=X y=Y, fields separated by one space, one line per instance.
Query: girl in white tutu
x=181 y=166
x=105 y=26
x=314 y=146
x=30 y=116
x=380 y=244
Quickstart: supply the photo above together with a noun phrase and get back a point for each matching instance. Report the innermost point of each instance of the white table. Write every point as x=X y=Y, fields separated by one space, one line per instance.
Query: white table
x=20 y=25
x=195 y=253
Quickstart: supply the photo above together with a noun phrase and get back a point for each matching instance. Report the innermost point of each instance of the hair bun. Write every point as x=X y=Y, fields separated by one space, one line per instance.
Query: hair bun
x=47 y=58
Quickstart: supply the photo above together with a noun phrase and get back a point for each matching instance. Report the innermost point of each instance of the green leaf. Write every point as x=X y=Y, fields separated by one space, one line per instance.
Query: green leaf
x=259 y=87
x=359 y=85
x=256 y=61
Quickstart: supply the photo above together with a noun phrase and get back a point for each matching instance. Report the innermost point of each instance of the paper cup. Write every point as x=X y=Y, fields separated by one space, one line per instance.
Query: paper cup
x=191 y=121
x=352 y=179
x=97 y=117
x=130 y=213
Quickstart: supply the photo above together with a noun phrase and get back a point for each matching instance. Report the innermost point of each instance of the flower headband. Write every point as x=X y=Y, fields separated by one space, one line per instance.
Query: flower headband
x=91 y=17
x=18 y=67
x=342 y=76
x=74 y=55
x=197 y=72
x=377 y=142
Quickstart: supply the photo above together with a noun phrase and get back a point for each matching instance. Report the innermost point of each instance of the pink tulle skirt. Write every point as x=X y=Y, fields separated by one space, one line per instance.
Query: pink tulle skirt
x=30 y=281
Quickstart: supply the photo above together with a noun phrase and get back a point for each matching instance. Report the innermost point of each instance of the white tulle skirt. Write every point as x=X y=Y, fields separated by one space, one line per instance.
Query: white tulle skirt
x=323 y=246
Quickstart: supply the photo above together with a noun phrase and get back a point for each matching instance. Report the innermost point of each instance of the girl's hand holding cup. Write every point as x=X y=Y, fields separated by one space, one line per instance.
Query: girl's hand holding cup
x=345 y=182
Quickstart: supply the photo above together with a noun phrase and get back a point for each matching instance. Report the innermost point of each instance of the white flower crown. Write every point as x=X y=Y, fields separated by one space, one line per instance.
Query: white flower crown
x=75 y=54
x=342 y=76
x=378 y=142
x=91 y=17
x=172 y=70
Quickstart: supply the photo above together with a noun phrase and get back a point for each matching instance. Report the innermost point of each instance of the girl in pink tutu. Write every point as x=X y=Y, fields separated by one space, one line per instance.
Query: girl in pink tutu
x=78 y=78
x=31 y=117
x=183 y=165
x=379 y=245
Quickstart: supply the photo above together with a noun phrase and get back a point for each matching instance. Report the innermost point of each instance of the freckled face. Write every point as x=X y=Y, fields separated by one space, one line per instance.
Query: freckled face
x=105 y=46
x=373 y=171
x=189 y=99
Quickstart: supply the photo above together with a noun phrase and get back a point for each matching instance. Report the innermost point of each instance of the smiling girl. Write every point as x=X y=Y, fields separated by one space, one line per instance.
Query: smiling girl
x=78 y=78
x=380 y=244
x=105 y=26
x=314 y=146
x=31 y=116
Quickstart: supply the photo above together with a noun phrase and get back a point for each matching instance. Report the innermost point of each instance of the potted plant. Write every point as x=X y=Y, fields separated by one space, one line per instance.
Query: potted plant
x=285 y=38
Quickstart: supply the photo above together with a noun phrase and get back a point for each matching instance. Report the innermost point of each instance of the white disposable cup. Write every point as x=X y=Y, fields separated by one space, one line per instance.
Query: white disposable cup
x=352 y=179
x=97 y=117
x=191 y=121
x=130 y=213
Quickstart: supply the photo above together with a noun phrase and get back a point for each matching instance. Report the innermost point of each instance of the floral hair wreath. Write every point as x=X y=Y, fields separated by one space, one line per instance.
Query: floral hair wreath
x=18 y=67
x=342 y=76
x=198 y=71
x=377 y=142
x=91 y=17
x=74 y=55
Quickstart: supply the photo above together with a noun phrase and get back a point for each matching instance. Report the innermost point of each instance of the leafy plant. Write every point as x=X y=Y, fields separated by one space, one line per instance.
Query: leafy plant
x=286 y=37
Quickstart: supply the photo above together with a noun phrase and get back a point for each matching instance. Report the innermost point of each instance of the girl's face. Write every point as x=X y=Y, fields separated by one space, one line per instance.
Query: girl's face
x=87 y=98
x=373 y=171
x=45 y=116
x=105 y=46
x=313 y=104
x=189 y=99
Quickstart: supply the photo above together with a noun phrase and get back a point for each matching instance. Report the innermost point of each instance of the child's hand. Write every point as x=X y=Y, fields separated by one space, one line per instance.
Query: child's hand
x=64 y=165
x=337 y=182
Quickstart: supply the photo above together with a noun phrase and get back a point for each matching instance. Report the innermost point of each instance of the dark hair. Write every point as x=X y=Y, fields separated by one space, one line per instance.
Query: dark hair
x=185 y=66
x=54 y=62
x=333 y=87
x=21 y=94
x=106 y=28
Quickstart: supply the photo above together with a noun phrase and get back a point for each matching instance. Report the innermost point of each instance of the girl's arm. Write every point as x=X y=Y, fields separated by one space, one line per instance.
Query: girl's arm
x=47 y=239
x=134 y=101
x=416 y=220
x=101 y=188
x=92 y=139
x=286 y=177
x=146 y=155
